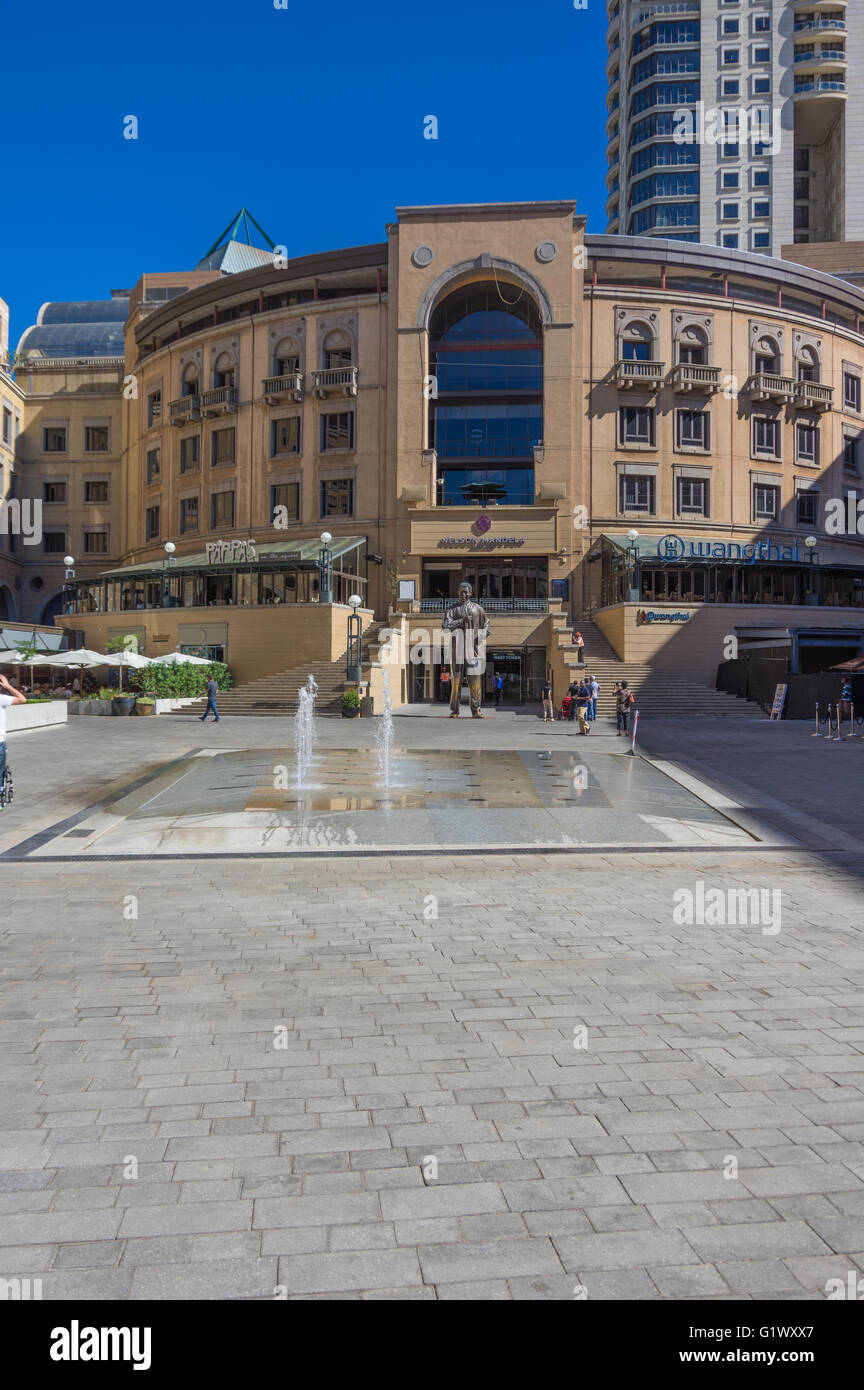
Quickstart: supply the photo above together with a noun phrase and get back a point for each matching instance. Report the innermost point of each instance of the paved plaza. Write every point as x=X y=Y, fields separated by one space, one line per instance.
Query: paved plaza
x=493 y=1046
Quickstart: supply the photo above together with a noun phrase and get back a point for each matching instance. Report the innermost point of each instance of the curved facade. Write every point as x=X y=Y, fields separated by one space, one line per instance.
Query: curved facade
x=493 y=394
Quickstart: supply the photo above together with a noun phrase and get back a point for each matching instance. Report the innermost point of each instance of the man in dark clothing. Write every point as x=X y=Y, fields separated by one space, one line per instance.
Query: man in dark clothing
x=572 y=691
x=582 y=701
x=623 y=706
x=212 y=692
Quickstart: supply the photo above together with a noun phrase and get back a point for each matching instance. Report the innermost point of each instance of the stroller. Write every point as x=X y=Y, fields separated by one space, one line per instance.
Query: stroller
x=566 y=704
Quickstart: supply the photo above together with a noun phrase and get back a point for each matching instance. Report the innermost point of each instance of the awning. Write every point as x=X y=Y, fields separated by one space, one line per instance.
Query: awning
x=300 y=553
x=676 y=548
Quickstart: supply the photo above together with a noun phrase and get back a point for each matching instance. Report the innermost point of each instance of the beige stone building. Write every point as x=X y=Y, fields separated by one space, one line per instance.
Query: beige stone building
x=638 y=433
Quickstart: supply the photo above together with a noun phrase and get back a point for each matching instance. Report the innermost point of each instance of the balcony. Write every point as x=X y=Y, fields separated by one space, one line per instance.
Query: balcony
x=820 y=86
x=813 y=395
x=222 y=400
x=491 y=605
x=281 y=388
x=828 y=58
x=820 y=26
x=692 y=376
x=647 y=375
x=765 y=386
x=332 y=380
x=186 y=411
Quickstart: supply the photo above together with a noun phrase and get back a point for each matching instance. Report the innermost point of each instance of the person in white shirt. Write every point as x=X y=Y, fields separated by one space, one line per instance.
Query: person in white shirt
x=8 y=696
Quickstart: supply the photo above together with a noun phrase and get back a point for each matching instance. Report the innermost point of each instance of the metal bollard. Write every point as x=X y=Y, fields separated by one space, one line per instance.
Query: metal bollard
x=851 y=733
x=632 y=749
x=817 y=733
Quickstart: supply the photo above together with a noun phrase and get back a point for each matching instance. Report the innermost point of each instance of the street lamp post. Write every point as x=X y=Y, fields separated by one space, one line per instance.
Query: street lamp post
x=68 y=591
x=325 y=569
x=354 y=667
x=632 y=558
x=169 y=548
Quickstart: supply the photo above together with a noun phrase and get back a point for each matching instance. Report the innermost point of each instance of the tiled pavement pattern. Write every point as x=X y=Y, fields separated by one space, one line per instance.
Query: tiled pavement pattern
x=410 y=1037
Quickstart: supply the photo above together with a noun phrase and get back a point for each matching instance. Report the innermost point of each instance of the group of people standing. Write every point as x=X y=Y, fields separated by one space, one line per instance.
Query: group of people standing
x=580 y=703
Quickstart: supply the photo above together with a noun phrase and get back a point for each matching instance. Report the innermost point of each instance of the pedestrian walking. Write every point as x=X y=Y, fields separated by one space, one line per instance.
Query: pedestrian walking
x=445 y=685
x=623 y=706
x=212 y=692
x=548 y=707
x=499 y=686
x=595 y=691
x=9 y=695
x=846 y=699
x=583 y=699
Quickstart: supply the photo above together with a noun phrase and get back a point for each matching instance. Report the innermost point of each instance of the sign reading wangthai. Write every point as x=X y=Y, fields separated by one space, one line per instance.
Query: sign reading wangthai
x=648 y=615
x=680 y=550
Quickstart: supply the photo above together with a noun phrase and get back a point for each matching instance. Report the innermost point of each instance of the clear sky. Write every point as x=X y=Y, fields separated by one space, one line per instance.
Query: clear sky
x=311 y=116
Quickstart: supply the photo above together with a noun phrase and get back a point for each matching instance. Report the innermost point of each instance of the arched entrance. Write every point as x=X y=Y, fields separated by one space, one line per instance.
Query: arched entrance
x=7 y=603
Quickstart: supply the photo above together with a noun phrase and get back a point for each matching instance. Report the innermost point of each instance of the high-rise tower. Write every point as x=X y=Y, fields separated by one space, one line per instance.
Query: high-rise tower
x=736 y=122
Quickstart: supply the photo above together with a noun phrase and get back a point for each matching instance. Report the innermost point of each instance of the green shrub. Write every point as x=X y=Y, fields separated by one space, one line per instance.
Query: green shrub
x=108 y=692
x=350 y=699
x=180 y=682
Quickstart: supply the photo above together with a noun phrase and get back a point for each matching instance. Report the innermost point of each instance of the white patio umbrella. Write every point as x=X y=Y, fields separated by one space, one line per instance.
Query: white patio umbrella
x=127 y=659
x=179 y=659
x=81 y=656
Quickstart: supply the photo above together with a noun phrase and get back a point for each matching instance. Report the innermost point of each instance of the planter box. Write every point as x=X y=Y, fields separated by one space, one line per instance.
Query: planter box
x=41 y=716
x=90 y=707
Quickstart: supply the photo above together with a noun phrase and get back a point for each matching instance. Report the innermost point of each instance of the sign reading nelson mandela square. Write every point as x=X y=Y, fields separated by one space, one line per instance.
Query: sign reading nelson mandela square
x=680 y=550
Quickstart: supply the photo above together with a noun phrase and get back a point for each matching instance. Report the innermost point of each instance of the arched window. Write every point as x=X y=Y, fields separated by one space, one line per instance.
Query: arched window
x=767 y=356
x=808 y=364
x=286 y=358
x=223 y=371
x=637 y=342
x=338 y=349
x=486 y=412
x=190 y=380
x=693 y=346
x=7 y=603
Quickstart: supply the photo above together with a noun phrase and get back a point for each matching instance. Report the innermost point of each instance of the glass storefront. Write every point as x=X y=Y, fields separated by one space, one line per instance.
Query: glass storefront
x=523 y=670
x=491 y=577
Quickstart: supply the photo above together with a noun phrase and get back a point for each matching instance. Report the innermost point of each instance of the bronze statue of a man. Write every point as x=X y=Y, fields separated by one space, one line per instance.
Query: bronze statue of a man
x=470 y=627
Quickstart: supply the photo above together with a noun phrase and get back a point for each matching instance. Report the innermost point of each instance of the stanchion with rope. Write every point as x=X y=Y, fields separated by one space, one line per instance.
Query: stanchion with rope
x=835 y=737
x=632 y=749
x=817 y=733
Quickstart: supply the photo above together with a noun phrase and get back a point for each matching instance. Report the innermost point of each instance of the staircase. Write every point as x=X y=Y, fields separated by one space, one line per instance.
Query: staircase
x=276 y=695
x=657 y=692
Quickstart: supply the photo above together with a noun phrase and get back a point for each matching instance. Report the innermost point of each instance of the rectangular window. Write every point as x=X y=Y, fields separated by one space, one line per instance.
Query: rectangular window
x=337 y=497
x=285 y=435
x=806 y=507
x=852 y=391
x=731 y=87
x=54 y=542
x=337 y=430
x=761 y=208
x=188 y=515
x=806 y=442
x=730 y=239
x=730 y=150
x=54 y=439
x=285 y=495
x=152 y=526
x=636 y=425
x=766 y=502
x=731 y=26
x=761 y=86
x=729 y=212
x=802 y=160
x=692 y=429
x=692 y=497
x=95 y=439
x=851 y=452
x=766 y=437
x=761 y=54
x=762 y=241
x=762 y=24
x=221 y=509
x=190 y=460
x=222 y=447
x=731 y=57
x=761 y=178
x=154 y=408
x=95 y=542
x=154 y=466
x=7 y=426
x=636 y=493
x=96 y=491
x=731 y=179
x=54 y=492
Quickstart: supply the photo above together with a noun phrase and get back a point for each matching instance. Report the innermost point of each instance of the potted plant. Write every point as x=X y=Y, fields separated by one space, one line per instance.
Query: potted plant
x=350 y=703
x=120 y=704
x=145 y=704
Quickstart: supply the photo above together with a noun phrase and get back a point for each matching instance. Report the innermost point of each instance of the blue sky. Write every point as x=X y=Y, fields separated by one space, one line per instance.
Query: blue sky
x=312 y=117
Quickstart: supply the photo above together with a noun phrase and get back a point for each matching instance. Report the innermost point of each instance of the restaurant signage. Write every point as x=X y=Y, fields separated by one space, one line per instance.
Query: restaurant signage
x=644 y=615
x=677 y=549
x=222 y=552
